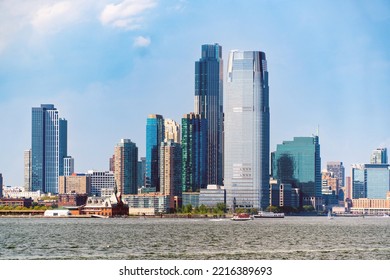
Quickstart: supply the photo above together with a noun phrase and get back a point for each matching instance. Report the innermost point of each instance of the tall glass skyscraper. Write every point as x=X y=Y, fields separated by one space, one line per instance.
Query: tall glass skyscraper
x=194 y=152
x=48 y=148
x=370 y=181
x=154 y=137
x=209 y=105
x=298 y=163
x=247 y=130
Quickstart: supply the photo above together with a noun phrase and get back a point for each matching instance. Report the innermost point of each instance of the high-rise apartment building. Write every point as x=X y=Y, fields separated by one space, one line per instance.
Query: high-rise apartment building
x=194 y=152
x=247 y=130
x=338 y=170
x=298 y=163
x=209 y=104
x=171 y=131
x=27 y=170
x=48 y=148
x=170 y=168
x=379 y=156
x=126 y=161
x=68 y=166
x=154 y=136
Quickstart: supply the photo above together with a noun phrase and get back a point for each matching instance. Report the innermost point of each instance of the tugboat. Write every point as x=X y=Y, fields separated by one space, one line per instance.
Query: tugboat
x=242 y=217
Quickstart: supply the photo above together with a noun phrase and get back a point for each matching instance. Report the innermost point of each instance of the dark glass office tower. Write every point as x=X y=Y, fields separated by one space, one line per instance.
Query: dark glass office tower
x=154 y=137
x=298 y=163
x=48 y=148
x=194 y=146
x=209 y=105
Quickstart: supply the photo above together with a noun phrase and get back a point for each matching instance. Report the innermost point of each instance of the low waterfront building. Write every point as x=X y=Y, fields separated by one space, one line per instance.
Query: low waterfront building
x=20 y=193
x=72 y=199
x=105 y=206
x=159 y=202
x=370 y=206
x=146 y=211
x=190 y=198
x=213 y=195
x=56 y=213
x=14 y=202
x=283 y=194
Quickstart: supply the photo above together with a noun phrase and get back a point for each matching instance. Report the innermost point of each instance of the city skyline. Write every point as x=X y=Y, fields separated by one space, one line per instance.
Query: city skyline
x=106 y=71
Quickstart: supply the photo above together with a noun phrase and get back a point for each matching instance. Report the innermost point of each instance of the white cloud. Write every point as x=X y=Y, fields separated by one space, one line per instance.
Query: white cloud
x=142 y=41
x=128 y=14
x=50 y=18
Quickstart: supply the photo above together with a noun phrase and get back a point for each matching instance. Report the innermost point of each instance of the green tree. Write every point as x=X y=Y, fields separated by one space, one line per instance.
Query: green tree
x=203 y=209
x=272 y=208
x=308 y=208
x=187 y=209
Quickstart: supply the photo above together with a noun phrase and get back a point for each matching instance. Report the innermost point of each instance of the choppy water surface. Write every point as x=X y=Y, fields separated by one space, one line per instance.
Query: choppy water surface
x=296 y=238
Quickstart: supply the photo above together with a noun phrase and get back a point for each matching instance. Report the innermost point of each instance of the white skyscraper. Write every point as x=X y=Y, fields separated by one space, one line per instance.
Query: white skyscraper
x=247 y=126
x=27 y=170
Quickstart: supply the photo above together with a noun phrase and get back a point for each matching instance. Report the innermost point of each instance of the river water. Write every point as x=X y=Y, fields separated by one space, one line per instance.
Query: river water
x=294 y=238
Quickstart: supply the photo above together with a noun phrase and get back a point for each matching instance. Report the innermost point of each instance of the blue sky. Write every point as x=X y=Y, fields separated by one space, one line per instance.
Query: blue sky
x=107 y=64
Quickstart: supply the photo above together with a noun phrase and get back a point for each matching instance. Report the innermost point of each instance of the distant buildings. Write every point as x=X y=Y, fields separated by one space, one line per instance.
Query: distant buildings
x=48 y=148
x=379 y=156
x=338 y=171
x=298 y=163
x=247 y=130
x=209 y=105
x=126 y=161
x=171 y=131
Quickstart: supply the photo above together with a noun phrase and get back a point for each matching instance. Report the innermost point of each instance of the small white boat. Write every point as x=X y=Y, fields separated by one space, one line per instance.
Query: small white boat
x=264 y=214
x=242 y=217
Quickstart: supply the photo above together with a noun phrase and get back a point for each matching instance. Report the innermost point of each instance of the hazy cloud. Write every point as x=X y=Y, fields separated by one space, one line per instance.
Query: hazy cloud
x=127 y=15
x=142 y=41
